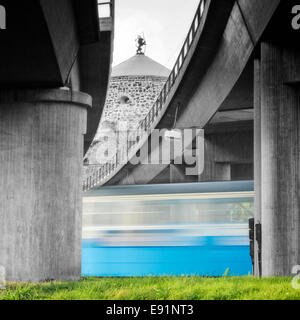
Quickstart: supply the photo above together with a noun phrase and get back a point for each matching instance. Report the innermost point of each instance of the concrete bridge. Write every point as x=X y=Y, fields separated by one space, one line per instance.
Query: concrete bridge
x=55 y=61
x=237 y=77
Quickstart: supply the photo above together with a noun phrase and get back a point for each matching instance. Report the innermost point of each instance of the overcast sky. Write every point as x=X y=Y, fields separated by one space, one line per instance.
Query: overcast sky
x=165 y=24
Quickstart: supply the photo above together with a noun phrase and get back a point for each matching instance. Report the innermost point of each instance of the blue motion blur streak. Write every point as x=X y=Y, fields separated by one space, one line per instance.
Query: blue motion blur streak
x=194 y=229
x=157 y=261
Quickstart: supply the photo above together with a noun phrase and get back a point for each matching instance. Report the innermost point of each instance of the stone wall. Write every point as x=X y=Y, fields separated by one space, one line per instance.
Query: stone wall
x=129 y=100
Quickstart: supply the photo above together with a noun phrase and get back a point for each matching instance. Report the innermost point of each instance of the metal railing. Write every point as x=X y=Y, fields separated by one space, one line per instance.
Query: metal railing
x=106 y=170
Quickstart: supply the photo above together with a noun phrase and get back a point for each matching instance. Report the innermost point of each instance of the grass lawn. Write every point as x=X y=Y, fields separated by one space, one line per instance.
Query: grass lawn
x=160 y=288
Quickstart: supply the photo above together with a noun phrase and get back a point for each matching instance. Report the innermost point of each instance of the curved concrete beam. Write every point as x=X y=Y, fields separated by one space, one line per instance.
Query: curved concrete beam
x=243 y=31
x=215 y=66
x=95 y=67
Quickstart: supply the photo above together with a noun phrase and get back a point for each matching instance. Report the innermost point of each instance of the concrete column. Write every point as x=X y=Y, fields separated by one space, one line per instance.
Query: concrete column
x=280 y=161
x=257 y=159
x=41 y=152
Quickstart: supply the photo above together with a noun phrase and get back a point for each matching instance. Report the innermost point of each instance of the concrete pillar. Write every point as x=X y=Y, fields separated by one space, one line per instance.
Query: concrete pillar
x=257 y=160
x=41 y=152
x=280 y=161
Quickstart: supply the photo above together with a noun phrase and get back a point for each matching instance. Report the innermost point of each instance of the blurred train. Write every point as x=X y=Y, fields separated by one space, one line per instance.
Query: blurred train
x=178 y=229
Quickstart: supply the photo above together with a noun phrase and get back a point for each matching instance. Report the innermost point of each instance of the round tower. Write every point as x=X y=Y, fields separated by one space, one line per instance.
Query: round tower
x=134 y=87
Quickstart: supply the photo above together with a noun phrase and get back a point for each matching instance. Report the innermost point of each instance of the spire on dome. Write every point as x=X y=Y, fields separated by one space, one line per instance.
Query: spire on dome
x=140 y=43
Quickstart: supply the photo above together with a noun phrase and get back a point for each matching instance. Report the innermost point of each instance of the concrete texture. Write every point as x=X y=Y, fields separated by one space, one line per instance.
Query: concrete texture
x=229 y=155
x=279 y=162
x=41 y=151
x=257 y=159
x=42 y=51
x=230 y=60
x=94 y=70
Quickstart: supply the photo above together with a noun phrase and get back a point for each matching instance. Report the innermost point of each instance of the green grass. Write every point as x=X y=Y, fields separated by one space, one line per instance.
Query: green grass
x=156 y=288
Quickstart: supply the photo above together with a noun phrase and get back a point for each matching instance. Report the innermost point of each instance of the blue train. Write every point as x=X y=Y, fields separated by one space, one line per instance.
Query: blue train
x=179 y=229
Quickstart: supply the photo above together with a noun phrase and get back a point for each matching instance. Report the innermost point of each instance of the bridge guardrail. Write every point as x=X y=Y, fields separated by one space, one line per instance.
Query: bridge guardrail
x=144 y=127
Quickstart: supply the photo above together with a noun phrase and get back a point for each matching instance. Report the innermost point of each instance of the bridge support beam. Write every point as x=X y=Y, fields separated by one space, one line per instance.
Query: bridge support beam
x=41 y=152
x=229 y=154
x=280 y=130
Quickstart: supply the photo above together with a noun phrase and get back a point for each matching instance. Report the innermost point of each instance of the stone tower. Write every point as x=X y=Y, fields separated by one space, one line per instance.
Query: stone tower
x=134 y=87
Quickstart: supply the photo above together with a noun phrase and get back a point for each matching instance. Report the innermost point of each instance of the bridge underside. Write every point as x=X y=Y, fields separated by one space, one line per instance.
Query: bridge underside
x=228 y=155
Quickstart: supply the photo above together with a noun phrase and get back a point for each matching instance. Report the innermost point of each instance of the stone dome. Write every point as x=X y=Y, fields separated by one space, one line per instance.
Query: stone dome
x=140 y=65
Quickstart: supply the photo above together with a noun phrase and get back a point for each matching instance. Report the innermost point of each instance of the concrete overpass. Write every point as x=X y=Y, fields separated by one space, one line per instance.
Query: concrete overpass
x=237 y=76
x=55 y=63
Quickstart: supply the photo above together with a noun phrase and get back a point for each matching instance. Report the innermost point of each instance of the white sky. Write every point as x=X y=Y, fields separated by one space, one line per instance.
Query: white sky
x=165 y=24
